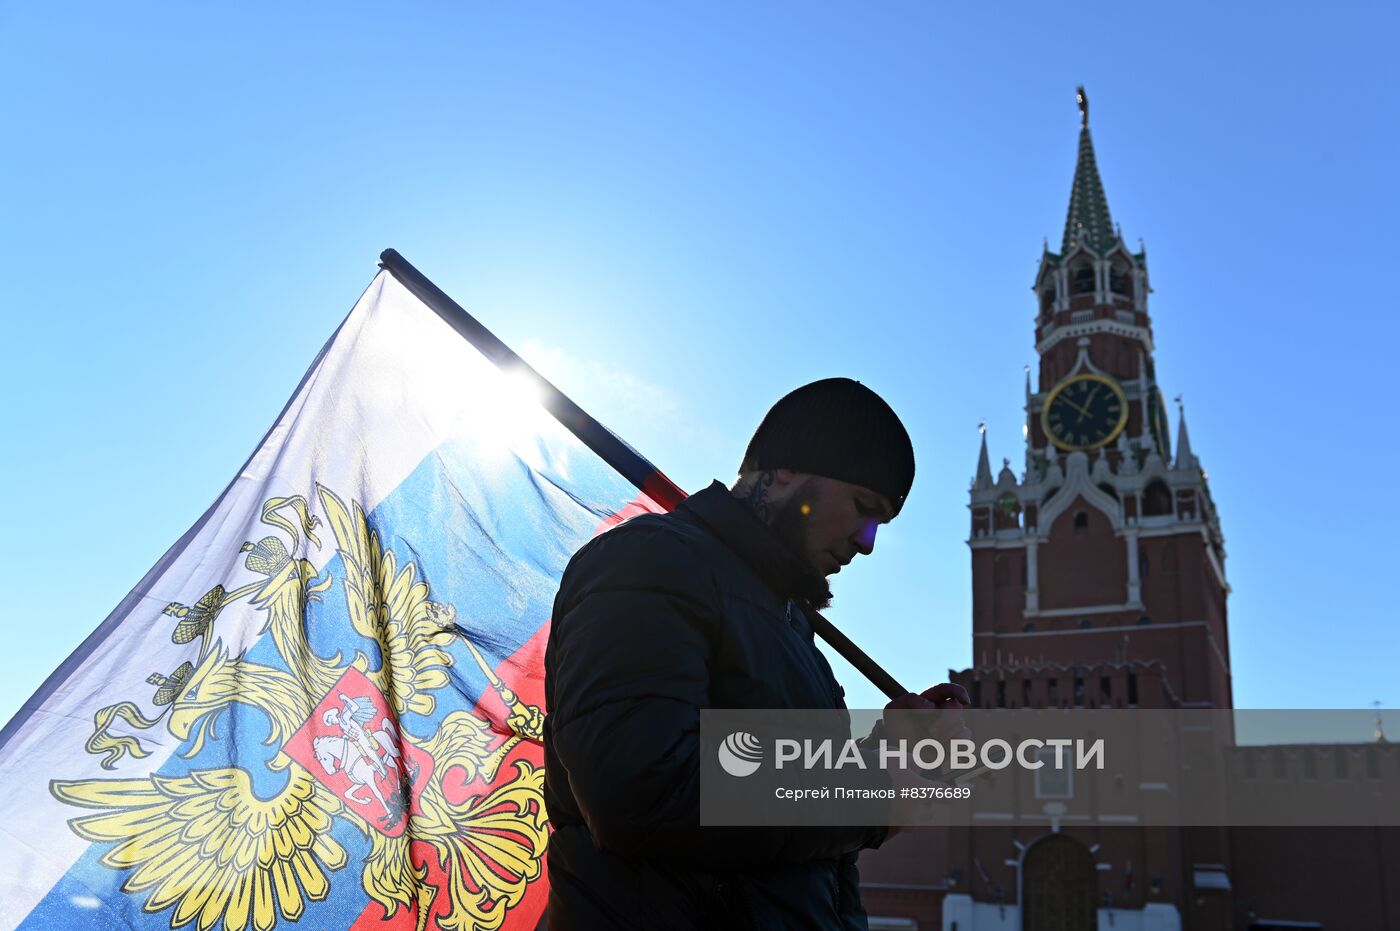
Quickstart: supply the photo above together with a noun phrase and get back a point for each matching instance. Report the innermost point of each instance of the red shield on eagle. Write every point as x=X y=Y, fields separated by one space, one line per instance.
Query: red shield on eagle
x=352 y=745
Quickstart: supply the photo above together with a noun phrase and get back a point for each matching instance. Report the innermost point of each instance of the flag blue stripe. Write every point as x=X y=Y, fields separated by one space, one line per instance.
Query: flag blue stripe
x=491 y=546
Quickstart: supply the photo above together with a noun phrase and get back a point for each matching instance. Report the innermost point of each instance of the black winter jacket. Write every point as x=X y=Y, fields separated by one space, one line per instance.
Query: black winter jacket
x=654 y=620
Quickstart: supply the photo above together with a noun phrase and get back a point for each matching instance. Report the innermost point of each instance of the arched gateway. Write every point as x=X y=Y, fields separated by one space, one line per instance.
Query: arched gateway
x=1058 y=886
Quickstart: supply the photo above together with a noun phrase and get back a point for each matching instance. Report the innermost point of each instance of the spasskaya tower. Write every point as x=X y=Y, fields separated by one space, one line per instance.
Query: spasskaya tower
x=1098 y=581
x=1106 y=552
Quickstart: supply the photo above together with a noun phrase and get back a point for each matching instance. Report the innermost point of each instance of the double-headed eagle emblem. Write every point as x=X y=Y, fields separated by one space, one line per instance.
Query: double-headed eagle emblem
x=452 y=837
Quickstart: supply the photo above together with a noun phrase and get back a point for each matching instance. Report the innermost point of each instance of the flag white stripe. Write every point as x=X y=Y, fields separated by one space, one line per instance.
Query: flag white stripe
x=397 y=377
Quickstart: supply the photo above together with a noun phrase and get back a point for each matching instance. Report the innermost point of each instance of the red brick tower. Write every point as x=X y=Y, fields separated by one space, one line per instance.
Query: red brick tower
x=1107 y=551
x=1098 y=580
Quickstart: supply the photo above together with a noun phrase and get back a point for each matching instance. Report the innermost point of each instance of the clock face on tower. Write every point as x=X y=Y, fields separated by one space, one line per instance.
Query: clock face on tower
x=1085 y=412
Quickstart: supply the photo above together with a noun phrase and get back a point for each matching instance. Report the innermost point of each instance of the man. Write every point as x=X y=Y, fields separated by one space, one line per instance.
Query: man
x=706 y=608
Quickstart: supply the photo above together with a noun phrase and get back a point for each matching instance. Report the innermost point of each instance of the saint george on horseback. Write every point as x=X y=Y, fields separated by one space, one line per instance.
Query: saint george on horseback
x=352 y=720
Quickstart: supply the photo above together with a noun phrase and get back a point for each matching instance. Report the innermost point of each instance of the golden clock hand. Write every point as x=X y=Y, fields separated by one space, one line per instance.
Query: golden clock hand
x=1088 y=399
x=1083 y=413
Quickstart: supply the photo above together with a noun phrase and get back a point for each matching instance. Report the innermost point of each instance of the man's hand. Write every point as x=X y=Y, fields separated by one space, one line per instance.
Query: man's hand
x=944 y=697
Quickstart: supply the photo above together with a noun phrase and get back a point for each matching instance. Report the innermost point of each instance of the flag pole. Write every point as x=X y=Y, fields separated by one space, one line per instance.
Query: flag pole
x=631 y=464
x=609 y=447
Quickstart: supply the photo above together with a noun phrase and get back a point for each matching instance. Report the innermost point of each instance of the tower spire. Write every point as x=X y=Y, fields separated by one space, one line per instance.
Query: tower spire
x=1185 y=459
x=1088 y=206
x=1026 y=429
x=983 y=481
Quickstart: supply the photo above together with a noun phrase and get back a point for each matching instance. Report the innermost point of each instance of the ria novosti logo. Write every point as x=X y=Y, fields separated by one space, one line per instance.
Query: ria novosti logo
x=740 y=754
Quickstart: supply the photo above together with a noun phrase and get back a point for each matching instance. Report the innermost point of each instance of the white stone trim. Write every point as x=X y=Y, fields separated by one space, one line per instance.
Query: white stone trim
x=1057 y=334
x=1086 y=630
x=1134 y=561
x=1210 y=635
x=882 y=923
x=1092 y=609
x=1083 y=363
x=1212 y=877
x=1078 y=482
x=1172 y=528
x=992 y=543
x=1032 y=577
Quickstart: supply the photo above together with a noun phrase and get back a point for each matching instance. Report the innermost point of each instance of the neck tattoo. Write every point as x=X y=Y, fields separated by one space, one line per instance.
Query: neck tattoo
x=757 y=498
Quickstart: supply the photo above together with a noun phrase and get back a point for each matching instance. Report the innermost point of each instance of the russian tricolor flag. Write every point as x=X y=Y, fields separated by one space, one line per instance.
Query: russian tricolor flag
x=321 y=708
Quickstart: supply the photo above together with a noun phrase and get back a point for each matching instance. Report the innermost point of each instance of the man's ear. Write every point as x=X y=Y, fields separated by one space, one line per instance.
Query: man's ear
x=785 y=483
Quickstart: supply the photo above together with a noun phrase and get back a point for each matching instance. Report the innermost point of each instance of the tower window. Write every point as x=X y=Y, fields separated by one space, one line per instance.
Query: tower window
x=1132 y=688
x=1157 y=499
x=1081 y=521
x=1054 y=779
x=1119 y=282
x=1084 y=280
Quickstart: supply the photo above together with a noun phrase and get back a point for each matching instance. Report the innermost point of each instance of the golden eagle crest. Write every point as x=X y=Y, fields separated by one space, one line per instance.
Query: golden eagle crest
x=213 y=849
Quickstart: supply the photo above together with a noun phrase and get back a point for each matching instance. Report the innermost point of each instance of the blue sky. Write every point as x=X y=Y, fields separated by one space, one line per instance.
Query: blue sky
x=678 y=214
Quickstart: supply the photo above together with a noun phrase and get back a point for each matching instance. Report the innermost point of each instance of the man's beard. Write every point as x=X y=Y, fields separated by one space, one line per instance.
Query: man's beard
x=790 y=525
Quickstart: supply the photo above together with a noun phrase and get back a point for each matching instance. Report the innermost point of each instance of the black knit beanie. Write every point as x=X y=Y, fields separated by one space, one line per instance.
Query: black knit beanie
x=840 y=429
